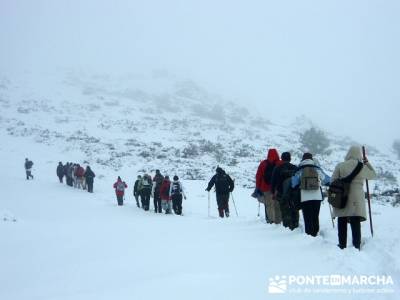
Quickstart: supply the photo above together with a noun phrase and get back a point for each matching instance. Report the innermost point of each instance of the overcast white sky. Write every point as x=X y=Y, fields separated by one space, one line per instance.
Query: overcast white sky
x=335 y=61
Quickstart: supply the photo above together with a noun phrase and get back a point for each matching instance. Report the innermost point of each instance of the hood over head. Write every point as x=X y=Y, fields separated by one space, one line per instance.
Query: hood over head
x=354 y=153
x=273 y=155
x=219 y=171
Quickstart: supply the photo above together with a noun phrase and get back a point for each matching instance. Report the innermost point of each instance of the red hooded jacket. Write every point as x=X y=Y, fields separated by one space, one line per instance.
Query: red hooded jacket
x=164 y=190
x=272 y=157
x=120 y=193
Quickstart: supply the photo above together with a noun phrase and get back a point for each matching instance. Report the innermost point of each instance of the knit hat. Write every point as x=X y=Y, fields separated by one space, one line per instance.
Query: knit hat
x=307 y=155
x=176 y=178
x=286 y=156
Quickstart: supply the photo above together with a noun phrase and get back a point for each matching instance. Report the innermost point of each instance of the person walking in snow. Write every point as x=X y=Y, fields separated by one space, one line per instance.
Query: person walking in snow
x=263 y=184
x=136 y=190
x=166 y=201
x=145 y=191
x=176 y=193
x=224 y=185
x=89 y=177
x=79 y=176
x=281 y=191
x=28 y=168
x=60 y=172
x=355 y=210
x=310 y=177
x=120 y=187
x=157 y=181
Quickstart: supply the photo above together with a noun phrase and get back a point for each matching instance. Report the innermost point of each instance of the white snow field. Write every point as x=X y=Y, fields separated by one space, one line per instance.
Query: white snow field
x=57 y=242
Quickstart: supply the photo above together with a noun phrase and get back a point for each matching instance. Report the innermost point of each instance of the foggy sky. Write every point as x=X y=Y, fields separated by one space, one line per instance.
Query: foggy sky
x=336 y=62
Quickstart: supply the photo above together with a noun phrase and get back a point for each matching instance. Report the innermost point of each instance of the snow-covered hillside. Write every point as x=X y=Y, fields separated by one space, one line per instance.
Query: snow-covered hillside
x=61 y=243
x=57 y=242
x=143 y=123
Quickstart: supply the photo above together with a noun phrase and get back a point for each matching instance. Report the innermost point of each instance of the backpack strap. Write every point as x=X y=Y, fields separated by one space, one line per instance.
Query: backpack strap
x=353 y=174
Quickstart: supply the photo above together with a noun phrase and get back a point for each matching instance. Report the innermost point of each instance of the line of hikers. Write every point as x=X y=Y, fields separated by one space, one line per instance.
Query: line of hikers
x=284 y=189
x=168 y=195
x=76 y=176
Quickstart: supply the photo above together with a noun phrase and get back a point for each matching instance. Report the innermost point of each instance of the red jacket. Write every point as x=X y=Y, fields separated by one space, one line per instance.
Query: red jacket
x=79 y=172
x=272 y=157
x=119 y=192
x=164 y=190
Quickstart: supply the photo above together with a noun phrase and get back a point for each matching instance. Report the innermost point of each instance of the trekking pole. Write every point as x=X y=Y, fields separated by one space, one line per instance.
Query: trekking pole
x=258 y=214
x=234 y=205
x=368 y=197
x=330 y=209
x=208 y=203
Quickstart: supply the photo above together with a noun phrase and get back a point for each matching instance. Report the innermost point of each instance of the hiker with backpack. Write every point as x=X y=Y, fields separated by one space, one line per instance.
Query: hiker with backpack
x=281 y=191
x=354 y=210
x=166 y=201
x=120 y=187
x=136 y=190
x=224 y=185
x=263 y=184
x=60 y=171
x=28 y=168
x=79 y=176
x=89 y=178
x=145 y=191
x=176 y=193
x=157 y=181
x=309 y=177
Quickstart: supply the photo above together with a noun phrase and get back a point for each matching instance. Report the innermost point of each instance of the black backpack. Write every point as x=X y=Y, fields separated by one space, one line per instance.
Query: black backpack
x=338 y=191
x=222 y=184
x=176 y=188
x=269 y=169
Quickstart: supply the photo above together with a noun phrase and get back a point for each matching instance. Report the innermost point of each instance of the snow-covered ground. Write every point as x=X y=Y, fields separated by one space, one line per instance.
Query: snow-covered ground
x=57 y=242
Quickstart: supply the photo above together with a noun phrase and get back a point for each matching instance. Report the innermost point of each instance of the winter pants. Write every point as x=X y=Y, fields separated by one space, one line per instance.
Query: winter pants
x=61 y=178
x=223 y=204
x=146 y=199
x=311 y=216
x=166 y=205
x=157 y=203
x=120 y=200
x=177 y=204
x=89 y=186
x=273 y=209
x=69 y=181
x=290 y=217
x=79 y=182
x=137 y=200
x=74 y=181
x=355 y=223
x=29 y=174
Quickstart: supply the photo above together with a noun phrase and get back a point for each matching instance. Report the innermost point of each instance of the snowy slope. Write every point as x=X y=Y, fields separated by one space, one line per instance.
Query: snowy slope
x=68 y=244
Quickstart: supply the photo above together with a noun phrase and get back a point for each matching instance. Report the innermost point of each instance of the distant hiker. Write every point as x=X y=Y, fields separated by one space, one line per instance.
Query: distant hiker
x=120 y=187
x=263 y=184
x=66 y=169
x=176 y=192
x=224 y=185
x=157 y=181
x=145 y=191
x=28 y=168
x=310 y=177
x=355 y=211
x=281 y=191
x=73 y=175
x=79 y=176
x=164 y=194
x=89 y=177
x=136 y=192
x=60 y=171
